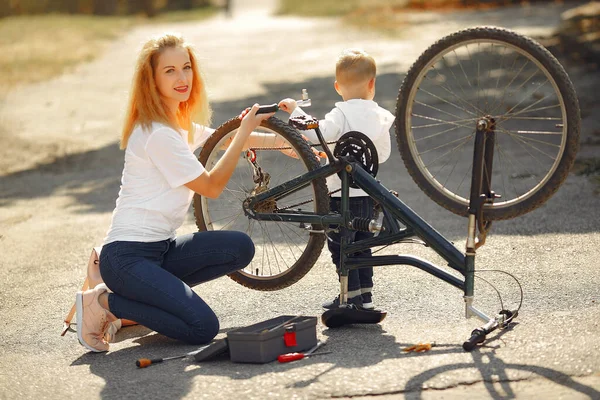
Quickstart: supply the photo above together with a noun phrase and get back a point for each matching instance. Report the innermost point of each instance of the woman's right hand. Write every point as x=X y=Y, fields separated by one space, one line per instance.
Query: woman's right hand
x=250 y=120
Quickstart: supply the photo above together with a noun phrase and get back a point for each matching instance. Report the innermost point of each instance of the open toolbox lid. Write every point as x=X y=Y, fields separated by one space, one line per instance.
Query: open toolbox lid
x=265 y=341
x=212 y=350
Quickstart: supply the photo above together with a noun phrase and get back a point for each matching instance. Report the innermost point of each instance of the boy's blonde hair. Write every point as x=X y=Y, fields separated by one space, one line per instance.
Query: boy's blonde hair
x=354 y=66
x=145 y=103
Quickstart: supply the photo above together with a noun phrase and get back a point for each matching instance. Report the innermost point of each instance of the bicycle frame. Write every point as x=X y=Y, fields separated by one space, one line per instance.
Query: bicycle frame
x=394 y=207
x=395 y=210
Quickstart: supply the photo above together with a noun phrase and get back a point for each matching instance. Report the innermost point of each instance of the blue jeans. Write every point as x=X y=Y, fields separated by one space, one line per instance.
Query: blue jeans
x=362 y=207
x=151 y=281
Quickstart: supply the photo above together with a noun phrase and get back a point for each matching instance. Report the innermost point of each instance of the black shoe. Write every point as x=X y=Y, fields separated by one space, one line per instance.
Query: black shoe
x=367 y=300
x=335 y=303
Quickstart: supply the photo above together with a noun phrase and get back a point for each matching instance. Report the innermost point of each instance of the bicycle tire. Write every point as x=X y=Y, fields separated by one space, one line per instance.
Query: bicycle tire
x=530 y=190
x=297 y=254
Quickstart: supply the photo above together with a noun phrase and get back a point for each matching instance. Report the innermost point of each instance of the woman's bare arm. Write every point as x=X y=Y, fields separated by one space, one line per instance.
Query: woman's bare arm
x=211 y=184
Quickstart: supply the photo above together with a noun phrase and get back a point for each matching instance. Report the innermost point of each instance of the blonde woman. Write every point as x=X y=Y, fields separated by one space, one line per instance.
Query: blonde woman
x=148 y=269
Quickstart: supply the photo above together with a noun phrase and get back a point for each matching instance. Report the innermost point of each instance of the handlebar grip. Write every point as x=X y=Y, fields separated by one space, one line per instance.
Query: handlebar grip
x=267 y=109
x=477 y=336
x=290 y=357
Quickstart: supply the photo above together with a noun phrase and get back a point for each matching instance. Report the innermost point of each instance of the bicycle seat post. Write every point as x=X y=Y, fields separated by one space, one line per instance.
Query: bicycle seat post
x=323 y=143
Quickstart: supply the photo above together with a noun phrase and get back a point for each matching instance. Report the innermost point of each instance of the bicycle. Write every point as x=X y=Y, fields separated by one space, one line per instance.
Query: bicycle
x=485 y=101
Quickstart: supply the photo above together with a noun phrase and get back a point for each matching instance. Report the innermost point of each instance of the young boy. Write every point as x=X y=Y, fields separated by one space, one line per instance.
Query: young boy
x=355 y=75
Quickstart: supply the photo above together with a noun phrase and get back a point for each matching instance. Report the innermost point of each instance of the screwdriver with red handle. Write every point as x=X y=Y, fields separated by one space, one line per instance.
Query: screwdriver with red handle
x=299 y=356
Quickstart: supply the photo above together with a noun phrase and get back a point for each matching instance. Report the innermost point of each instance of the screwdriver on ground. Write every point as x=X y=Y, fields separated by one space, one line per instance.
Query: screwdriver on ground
x=146 y=362
x=299 y=356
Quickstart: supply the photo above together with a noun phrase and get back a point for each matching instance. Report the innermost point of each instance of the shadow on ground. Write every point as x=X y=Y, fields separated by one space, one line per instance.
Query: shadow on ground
x=112 y=366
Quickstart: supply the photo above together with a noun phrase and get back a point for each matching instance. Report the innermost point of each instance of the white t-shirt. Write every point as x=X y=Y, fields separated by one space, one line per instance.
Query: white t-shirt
x=153 y=200
x=360 y=115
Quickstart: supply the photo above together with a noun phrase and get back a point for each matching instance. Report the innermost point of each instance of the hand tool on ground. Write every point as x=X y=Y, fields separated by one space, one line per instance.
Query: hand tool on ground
x=299 y=356
x=204 y=352
x=146 y=362
x=419 y=347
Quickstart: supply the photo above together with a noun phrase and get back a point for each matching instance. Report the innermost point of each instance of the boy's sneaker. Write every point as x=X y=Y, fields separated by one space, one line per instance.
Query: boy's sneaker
x=367 y=300
x=335 y=303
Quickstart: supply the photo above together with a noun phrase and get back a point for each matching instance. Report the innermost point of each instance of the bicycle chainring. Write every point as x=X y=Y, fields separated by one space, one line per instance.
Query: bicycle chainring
x=359 y=147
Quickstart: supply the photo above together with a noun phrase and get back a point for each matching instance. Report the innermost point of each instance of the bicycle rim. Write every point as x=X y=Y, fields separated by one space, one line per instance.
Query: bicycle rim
x=471 y=79
x=285 y=251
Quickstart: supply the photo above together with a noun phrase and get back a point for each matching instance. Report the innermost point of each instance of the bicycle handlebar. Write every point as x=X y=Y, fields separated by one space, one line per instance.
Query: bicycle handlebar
x=477 y=336
x=267 y=109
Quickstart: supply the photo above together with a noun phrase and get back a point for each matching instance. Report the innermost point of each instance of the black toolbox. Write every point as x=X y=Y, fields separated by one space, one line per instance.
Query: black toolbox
x=265 y=341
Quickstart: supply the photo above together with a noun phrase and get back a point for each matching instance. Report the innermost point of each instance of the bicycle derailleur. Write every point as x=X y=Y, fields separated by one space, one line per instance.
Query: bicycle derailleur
x=261 y=184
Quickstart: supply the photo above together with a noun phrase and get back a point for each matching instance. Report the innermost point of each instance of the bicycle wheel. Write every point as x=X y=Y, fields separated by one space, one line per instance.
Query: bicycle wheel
x=488 y=72
x=285 y=251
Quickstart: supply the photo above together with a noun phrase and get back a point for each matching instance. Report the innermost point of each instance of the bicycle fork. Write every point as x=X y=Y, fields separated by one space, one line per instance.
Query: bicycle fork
x=480 y=195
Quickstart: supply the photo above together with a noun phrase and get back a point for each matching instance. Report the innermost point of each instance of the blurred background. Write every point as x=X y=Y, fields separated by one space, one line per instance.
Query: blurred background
x=44 y=39
x=98 y=7
x=32 y=31
x=65 y=70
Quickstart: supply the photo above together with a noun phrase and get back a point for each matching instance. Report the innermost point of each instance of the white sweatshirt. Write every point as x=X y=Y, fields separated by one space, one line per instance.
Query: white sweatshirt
x=364 y=116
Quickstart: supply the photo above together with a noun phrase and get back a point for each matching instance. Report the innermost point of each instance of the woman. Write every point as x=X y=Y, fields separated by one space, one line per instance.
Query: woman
x=148 y=269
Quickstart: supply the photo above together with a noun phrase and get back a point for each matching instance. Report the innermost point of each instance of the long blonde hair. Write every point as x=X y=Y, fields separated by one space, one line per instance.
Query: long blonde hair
x=145 y=103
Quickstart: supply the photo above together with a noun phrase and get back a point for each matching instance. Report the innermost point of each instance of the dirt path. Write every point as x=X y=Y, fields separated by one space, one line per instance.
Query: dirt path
x=59 y=176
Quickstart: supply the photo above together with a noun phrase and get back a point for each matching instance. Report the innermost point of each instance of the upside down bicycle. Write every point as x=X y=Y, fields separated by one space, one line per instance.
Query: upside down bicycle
x=487 y=124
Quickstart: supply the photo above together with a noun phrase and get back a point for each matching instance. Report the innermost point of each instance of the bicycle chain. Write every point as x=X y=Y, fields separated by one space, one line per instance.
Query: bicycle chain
x=304 y=202
x=291 y=148
x=287 y=148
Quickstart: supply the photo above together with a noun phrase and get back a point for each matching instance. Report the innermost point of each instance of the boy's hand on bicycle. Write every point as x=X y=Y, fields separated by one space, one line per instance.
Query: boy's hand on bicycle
x=287 y=105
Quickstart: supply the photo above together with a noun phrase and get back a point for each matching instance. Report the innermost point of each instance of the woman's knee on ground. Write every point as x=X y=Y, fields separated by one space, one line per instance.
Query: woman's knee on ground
x=245 y=247
x=204 y=331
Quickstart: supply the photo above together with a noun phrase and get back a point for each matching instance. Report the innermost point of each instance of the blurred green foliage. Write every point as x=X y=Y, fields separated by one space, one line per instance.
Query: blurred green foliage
x=329 y=8
x=37 y=47
x=97 y=7
x=318 y=8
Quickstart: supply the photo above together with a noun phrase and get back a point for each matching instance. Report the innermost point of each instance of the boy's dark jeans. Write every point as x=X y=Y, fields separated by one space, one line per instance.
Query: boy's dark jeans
x=360 y=207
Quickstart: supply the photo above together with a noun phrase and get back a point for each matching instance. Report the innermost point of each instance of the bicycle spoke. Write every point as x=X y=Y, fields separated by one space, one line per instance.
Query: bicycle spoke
x=484 y=74
x=526 y=140
x=450 y=103
x=438 y=133
x=279 y=245
x=443 y=122
x=464 y=139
